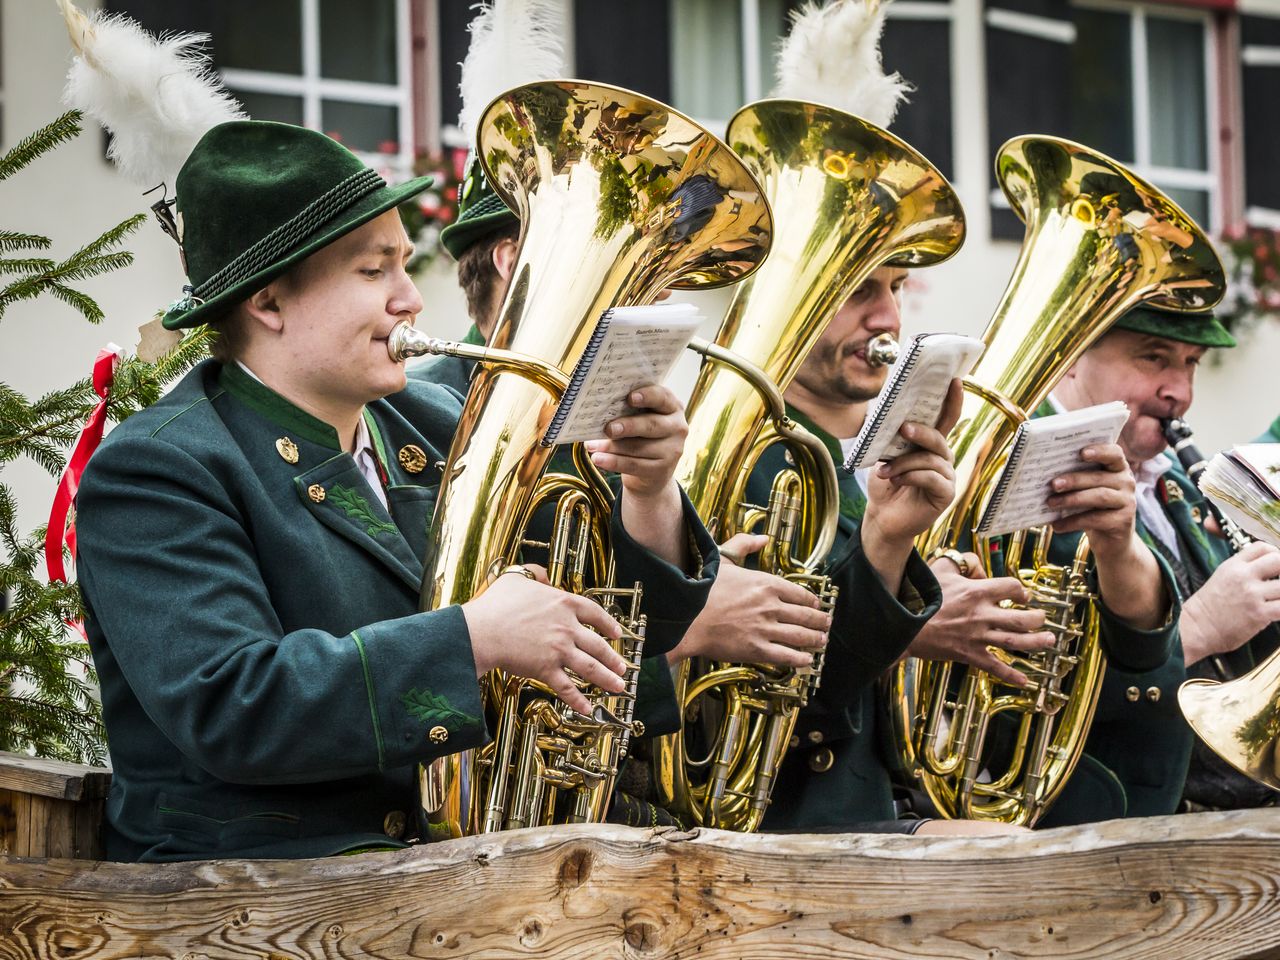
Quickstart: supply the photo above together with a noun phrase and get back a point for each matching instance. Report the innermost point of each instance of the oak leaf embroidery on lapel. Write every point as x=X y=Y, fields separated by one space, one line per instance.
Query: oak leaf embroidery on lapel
x=851 y=508
x=432 y=708
x=355 y=506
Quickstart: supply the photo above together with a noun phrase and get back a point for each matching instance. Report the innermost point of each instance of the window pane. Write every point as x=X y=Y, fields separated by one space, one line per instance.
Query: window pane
x=920 y=50
x=1261 y=137
x=1195 y=202
x=706 y=57
x=371 y=128
x=1102 y=83
x=1175 y=57
x=358 y=40
x=623 y=43
x=270 y=106
x=260 y=35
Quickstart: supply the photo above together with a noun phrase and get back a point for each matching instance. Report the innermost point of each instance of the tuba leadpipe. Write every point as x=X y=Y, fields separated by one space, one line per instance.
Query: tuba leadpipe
x=1099 y=241
x=619 y=197
x=848 y=197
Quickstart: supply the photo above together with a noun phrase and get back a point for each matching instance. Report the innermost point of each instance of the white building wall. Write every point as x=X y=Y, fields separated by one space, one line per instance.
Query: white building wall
x=74 y=194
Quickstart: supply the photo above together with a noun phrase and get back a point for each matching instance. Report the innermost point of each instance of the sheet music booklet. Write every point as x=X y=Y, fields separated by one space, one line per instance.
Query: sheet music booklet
x=1043 y=449
x=631 y=347
x=915 y=390
x=1245 y=485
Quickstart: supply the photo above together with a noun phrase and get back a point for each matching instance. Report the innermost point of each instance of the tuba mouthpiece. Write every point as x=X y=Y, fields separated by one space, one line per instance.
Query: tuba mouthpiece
x=882 y=351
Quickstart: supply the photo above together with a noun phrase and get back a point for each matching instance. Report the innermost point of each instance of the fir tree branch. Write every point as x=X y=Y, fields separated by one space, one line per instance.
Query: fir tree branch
x=35 y=145
x=11 y=241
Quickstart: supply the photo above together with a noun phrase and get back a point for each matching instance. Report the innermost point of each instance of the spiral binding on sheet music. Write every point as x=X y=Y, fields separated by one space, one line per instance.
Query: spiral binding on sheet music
x=1005 y=481
x=580 y=371
x=884 y=403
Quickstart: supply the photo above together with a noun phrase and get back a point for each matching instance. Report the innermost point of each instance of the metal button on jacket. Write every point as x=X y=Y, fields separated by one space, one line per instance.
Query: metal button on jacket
x=438 y=734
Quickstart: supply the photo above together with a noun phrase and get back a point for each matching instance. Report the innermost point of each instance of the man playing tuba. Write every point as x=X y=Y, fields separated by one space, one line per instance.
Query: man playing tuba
x=250 y=546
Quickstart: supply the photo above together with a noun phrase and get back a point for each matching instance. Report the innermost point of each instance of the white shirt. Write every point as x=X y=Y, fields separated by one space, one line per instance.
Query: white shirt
x=1150 y=510
x=366 y=459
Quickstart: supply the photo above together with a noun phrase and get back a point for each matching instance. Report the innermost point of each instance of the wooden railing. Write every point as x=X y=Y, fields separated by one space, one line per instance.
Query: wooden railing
x=51 y=809
x=1198 y=887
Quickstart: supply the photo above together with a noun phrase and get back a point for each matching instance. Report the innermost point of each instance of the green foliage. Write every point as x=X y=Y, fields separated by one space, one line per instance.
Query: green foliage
x=48 y=703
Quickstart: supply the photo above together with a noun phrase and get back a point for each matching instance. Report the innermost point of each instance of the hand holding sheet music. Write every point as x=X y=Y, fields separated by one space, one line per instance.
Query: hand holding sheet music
x=1044 y=449
x=914 y=392
x=631 y=347
x=1245 y=485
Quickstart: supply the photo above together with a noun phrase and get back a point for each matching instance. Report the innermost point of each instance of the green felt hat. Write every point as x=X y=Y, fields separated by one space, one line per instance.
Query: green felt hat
x=480 y=212
x=1201 y=329
x=255 y=198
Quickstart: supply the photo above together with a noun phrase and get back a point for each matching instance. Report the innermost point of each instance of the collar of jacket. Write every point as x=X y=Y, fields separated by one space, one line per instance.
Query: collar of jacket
x=258 y=396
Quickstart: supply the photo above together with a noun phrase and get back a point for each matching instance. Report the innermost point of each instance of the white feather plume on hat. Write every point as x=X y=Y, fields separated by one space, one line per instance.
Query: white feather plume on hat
x=832 y=57
x=156 y=95
x=513 y=42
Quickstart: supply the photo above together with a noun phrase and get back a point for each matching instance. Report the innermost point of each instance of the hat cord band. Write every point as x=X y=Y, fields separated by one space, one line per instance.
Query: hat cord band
x=280 y=240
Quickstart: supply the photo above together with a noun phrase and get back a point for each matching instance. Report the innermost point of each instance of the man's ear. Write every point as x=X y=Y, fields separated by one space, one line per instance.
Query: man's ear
x=264 y=308
x=504 y=257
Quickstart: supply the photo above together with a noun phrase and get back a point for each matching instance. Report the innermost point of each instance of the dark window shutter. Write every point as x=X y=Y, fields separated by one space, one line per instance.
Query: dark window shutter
x=1028 y=90
x=625 y=44
x=1261 y=93
x=454 y=41
x=920 y=50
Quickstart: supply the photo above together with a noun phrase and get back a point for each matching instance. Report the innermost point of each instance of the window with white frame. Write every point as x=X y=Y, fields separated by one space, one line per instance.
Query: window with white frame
x=709 y=57
x=1134 y=81
x=1260 y=53
x=1142 y=90
x=340 y=67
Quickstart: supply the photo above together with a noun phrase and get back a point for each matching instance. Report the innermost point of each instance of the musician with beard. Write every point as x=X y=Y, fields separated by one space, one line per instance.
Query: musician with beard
x=1230 y=603
x=838 y=775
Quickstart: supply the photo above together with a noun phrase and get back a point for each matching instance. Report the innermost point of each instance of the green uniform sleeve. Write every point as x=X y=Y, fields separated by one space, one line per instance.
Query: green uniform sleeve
x=1129 y=648
x=172 y=581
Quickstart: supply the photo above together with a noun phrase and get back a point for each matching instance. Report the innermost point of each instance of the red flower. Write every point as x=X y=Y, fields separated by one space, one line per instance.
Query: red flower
x=388 y=146
x=445 y=215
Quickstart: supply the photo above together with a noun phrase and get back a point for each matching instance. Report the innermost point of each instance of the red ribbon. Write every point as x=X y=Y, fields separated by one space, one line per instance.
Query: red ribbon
x=60 y=532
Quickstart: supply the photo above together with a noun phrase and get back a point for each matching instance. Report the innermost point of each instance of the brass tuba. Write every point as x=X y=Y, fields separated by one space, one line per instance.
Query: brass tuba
x=847 y=197
x=619 y=197
x=1099 y=241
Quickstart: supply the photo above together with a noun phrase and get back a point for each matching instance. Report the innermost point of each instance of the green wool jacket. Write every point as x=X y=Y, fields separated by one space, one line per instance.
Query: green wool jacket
x=268 y=683
x=1139 y=733
x=837 y=775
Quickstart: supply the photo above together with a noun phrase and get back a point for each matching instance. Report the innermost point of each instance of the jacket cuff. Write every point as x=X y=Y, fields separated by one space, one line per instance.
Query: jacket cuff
x=1132 y=649
x=427 y=712
x=672 y=598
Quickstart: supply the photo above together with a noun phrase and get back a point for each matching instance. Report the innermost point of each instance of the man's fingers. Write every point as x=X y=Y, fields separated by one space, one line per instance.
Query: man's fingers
x=567 y=691
x=1022 y=642
x=782 y=655
x=539 y=572
x=793 y=594
x=591 y=614
x=999 y=669
x=1016 y=621
x=644 y=426
x=655 y=397
x=950 y=414
x=1109 y=456
x=916 y=460
x=1097 y=498
x=742 y=545
x=593 y=671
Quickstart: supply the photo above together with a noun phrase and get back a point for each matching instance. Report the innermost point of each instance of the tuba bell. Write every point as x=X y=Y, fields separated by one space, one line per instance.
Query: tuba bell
x=619 y=197
x=847 y=197
x=1099 y=241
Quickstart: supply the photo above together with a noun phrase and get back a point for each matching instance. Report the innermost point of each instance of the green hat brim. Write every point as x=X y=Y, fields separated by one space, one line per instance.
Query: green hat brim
x=1198 y=329
x=357 y=215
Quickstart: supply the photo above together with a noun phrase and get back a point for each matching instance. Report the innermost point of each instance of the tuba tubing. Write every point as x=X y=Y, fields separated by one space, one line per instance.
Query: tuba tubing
x=848 y=197
x=1099 y=241
x=619 y=196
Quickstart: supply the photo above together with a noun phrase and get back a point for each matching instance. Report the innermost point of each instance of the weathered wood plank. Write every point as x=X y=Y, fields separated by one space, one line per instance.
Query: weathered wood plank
x=88 y=830
x=8 y=823
x=1201 y=887
x=52 y=778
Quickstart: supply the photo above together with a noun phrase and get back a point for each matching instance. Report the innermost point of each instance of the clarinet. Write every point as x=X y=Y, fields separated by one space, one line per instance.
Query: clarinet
x=1178 y=435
